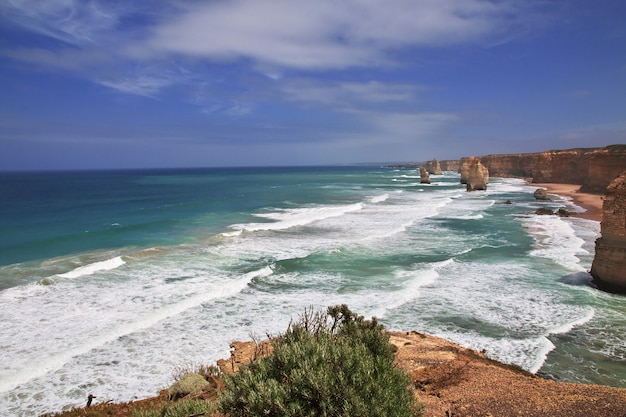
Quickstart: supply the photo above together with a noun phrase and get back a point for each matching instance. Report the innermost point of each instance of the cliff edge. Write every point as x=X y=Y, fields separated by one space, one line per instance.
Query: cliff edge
x=609 y=264
x=448 y=379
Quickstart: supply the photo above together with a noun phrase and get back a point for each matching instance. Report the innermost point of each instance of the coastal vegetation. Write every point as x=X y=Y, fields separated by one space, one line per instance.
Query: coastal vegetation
x=333 y=363
x=319 y=367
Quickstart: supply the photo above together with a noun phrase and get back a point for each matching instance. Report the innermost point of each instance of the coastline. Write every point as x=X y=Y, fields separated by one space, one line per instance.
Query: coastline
x=592 y=203
x=447 y=379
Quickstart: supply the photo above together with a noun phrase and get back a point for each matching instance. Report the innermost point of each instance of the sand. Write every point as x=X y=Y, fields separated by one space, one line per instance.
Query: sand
x=592 y=203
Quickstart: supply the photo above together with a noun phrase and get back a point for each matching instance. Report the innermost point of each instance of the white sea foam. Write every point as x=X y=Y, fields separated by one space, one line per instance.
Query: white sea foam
x=468 y=217
x=585 y=316
x=288 y=218
x=259 y=273
x=100 y=331
x=555 y=239
x=496 y=308
x=92 y=268
x=379 y=198
x=414 y=280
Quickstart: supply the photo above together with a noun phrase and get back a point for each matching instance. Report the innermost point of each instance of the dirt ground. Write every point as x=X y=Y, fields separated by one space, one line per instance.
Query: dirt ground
x=453 y=381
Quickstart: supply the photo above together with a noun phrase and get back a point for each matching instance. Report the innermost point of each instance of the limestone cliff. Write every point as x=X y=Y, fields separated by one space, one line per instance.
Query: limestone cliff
x=450 y=165
x=609 y=263
x=592 y=168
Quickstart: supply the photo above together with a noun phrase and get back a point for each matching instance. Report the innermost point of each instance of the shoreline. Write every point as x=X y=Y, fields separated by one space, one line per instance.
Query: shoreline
x=592 y=203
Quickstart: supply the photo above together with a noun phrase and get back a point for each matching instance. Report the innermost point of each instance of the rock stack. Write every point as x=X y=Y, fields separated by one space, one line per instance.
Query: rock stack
x=434 y=168
x=474 y=174
x=609 y=264
x=424 y=177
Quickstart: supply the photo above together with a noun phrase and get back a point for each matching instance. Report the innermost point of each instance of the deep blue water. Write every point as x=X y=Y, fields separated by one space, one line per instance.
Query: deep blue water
x=109 y=281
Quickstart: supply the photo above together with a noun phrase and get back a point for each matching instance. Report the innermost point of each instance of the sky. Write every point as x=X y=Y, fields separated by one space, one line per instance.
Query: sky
x=99 y=84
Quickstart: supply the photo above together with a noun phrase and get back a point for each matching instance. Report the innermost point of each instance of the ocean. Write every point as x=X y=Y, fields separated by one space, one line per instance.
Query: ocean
x=111 y=282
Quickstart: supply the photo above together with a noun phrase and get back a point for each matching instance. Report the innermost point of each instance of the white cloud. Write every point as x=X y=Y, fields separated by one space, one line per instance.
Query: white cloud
x=324 y=34
x=272 y=37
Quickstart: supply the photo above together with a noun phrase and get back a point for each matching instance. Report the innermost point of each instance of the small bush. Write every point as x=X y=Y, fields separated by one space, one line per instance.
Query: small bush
x=321 y=367
x=189 y=384
x=177 y=409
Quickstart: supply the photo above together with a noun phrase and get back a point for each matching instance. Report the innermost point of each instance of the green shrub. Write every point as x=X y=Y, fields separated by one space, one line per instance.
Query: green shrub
x=176 y=409
x=341 y=367
x=189 y=384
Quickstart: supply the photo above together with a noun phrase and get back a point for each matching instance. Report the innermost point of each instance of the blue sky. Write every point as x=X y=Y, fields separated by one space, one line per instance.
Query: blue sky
x=174 y=83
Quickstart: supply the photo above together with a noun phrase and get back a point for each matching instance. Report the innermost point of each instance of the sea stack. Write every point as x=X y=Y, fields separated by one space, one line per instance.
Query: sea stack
x=541 y=194
x=424 y=177
x=609 y=264
x=434 y=167
x=474 y=174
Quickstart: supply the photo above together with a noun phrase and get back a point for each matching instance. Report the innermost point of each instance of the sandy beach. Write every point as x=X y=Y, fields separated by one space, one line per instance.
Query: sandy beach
x=590 y=202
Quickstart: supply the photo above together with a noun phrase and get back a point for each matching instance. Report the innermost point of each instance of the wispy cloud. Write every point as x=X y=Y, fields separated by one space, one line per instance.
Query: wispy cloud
x=324 y=34
x=72 y=21
x=403 y=127
x=232 y=109
x=271 y=37
x=143 y=85
x=348 y=94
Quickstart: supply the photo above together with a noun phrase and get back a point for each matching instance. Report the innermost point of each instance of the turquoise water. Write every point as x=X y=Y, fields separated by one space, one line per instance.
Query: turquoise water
x=110 y=281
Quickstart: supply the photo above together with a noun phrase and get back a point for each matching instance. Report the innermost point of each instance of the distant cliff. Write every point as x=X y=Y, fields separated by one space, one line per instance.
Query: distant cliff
x=450 y=165
x=592 y=168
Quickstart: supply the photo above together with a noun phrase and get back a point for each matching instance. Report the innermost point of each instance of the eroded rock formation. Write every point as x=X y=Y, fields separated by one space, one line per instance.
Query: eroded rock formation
x=424 y=177
x=474 y=174
x=592 y=168
x=541 y=194
x=433 y=167
x=609 y=264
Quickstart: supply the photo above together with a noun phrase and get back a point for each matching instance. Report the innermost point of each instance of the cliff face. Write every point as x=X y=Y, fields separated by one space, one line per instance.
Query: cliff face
x=592 y=168
x=450 y=165
x=609 y=264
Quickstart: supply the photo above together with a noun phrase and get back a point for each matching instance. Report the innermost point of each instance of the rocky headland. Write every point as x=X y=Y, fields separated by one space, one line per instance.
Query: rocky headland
x=451 y=380
x=448 y=379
